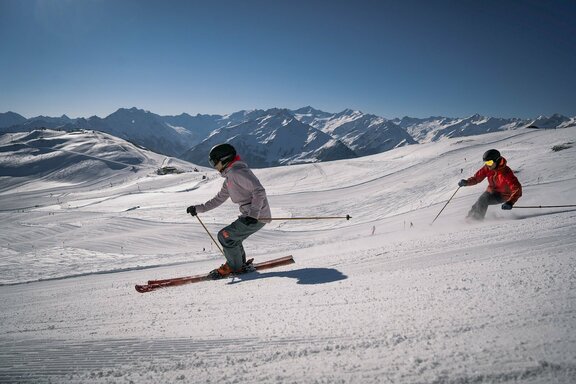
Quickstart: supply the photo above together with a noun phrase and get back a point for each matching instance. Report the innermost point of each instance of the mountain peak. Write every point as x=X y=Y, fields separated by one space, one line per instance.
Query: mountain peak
x=308 y=110
x=131 y=110
x=278 y=117
x=11 y=118
x=350 y=113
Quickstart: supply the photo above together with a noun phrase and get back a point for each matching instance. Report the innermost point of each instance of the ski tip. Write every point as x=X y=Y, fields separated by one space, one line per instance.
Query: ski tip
x=285 y=260
x=142 y=288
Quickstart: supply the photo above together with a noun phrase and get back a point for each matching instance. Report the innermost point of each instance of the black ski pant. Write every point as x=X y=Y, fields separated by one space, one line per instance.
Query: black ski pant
x=478 y=210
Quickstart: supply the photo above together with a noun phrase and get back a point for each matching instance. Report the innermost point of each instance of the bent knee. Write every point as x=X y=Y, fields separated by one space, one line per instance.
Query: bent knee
x=225 y=239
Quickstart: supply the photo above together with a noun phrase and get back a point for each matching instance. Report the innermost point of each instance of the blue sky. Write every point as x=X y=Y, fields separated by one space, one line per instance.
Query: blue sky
x=389 y=58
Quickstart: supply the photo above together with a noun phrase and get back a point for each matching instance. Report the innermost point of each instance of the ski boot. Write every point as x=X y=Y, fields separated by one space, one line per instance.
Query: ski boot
x=219 y=273
x=248 y=266
x=225 y=270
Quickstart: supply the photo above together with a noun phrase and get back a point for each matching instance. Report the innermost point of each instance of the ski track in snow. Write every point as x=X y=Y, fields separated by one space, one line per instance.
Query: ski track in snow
x=453 y=302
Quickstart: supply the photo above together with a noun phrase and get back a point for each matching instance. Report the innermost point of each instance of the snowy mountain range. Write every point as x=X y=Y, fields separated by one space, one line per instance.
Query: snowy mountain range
x=278 y=136
x=275 y=138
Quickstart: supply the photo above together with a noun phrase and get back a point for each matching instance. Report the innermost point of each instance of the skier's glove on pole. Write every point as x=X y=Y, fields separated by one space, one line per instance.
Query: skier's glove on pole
x=507 y=206
x=462 y=183
x=191 y=210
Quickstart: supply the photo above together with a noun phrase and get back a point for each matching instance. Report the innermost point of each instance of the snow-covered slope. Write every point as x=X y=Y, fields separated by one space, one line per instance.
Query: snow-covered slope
x=384 y=297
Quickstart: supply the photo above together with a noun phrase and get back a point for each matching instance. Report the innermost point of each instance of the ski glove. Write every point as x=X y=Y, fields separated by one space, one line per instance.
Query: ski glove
x=191 y=210
x=507 y=206
x=248 y=220
x=463 y=183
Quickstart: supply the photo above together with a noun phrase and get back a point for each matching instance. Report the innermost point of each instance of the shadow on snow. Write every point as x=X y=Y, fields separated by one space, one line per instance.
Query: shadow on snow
x=522 y=216
x=306 y=276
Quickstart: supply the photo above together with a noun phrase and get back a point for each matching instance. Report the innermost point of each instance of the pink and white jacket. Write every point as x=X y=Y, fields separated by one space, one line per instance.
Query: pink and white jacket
x=244 y=189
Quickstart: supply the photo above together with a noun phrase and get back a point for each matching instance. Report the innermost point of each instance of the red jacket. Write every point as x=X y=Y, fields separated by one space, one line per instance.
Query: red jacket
x=501 y=180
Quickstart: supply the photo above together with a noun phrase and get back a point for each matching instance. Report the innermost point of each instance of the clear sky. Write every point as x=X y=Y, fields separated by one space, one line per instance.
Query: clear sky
x=501 y=58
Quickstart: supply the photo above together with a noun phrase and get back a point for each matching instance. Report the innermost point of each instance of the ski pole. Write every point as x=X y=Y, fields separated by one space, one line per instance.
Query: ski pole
x=545 y=206
x=445 y=205
x=209 y=234
x=347 y=217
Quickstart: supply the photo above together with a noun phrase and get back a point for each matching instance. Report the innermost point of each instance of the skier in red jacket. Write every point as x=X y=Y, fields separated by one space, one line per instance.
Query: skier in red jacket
x=503 y=186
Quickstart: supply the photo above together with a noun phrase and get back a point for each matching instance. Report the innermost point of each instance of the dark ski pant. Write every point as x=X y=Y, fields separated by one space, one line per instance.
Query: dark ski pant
x=231 y=238
x=478 y=210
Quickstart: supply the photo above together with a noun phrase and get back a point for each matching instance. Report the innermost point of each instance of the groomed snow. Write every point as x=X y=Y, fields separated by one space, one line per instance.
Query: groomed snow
x=383 y=298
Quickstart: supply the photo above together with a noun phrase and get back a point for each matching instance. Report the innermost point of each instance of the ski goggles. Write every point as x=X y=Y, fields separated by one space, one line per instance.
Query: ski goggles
x=224 y=160
x=489 y=163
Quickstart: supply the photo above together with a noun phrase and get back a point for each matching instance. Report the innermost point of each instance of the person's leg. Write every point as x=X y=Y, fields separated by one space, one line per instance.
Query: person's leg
x=231 y=238
x=478 y=210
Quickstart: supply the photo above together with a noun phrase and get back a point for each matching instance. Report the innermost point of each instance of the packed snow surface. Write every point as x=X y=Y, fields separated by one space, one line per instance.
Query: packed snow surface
x=386 y=297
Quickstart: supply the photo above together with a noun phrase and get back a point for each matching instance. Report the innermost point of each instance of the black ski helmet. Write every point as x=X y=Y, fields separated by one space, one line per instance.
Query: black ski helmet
x=491 y=154
x=222 y=152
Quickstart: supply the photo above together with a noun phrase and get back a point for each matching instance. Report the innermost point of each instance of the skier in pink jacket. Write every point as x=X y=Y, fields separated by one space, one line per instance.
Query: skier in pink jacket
x=244 y=189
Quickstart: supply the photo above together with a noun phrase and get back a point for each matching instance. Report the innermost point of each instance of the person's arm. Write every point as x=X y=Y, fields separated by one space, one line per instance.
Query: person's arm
x=216 y=201
x=478 y=177
x=514 y=186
